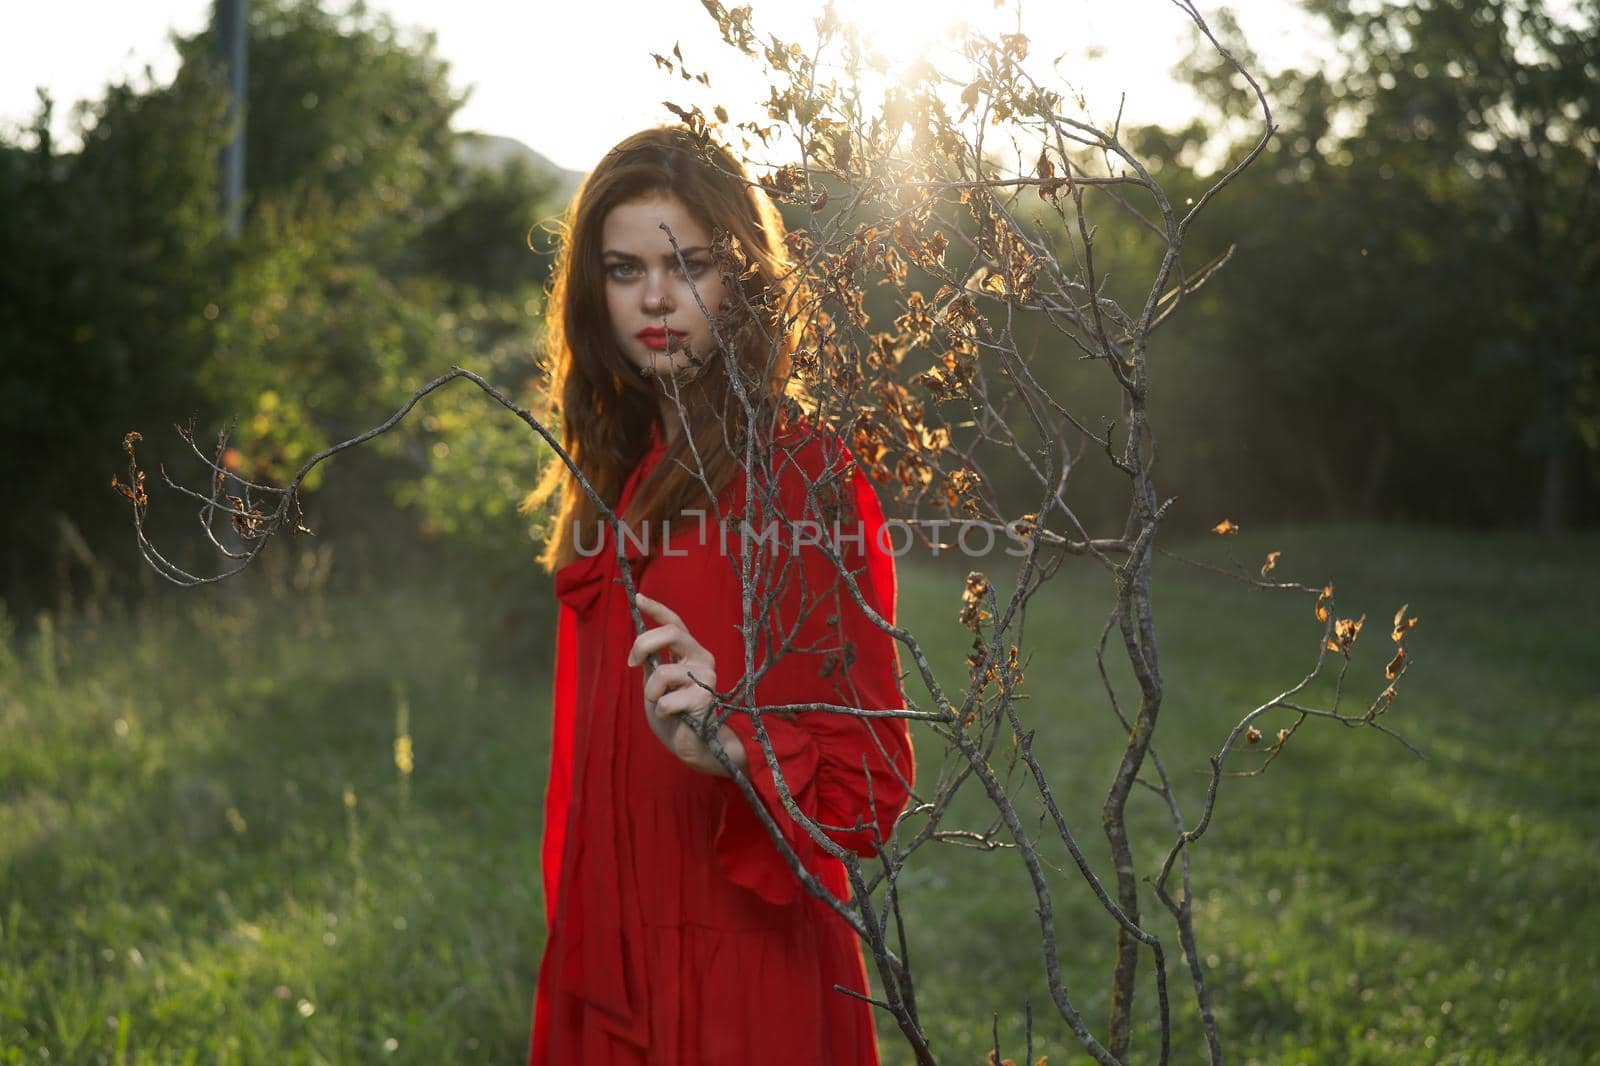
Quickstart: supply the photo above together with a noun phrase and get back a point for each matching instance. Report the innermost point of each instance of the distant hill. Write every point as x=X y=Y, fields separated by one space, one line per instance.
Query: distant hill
x=492 y=151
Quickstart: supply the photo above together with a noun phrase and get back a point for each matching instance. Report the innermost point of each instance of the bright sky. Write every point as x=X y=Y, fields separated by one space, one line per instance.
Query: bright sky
x=569 y=79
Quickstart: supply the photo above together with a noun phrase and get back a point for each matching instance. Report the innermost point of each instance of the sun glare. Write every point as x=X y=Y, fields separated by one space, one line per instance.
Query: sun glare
x=1099 y=61
x=897 y=34
x=1090 y=56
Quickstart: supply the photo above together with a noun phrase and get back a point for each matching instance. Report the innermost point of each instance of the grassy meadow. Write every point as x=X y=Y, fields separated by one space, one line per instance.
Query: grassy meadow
x=211 y=851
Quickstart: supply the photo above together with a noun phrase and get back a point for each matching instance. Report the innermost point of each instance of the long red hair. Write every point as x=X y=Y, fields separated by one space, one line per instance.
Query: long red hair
x=606 y=408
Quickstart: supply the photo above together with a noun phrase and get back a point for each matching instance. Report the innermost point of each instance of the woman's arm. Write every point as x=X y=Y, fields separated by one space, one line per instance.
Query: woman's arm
x=850 y=774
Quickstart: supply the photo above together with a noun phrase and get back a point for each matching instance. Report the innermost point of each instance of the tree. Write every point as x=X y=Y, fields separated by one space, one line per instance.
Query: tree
x=372 y=252
x=1497 y=103
x=109 y=256
x=124 y=301
x=1435 y=226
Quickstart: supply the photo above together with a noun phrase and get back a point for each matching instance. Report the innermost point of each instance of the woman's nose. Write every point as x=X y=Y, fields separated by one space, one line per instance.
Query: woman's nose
x=656 y=299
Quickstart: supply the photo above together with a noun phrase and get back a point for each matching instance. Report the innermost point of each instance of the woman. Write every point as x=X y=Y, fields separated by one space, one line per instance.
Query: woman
x=678 y=932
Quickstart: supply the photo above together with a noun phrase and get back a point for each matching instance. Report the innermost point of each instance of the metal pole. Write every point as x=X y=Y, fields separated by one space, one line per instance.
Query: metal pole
x=230 y=25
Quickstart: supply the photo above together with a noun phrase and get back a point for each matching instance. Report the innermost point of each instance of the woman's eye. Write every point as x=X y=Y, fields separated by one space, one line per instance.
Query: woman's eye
x=624 y=271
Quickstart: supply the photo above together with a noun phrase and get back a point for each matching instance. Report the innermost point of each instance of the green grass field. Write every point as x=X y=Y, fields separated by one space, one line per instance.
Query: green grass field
x=208 y=853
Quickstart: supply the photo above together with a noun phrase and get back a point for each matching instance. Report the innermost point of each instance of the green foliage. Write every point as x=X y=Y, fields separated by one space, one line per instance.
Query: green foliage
x=1417 y=238
x=1495 y=107
x=1355 y=905
x=371 y=260
x=353 y=288
x=491 y=237
x=107 y=257
x=341 y=106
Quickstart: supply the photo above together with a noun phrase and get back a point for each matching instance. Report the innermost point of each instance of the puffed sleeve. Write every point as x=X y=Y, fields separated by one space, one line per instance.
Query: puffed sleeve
x=847 y=773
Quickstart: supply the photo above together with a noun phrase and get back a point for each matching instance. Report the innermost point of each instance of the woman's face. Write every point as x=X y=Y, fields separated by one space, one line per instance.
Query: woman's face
x=649 y=296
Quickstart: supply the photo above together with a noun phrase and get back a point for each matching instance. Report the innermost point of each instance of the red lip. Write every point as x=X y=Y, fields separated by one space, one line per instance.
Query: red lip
x=656 y=337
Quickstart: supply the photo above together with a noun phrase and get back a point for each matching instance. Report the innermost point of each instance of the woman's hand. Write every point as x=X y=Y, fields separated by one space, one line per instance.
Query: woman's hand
x=671 y=695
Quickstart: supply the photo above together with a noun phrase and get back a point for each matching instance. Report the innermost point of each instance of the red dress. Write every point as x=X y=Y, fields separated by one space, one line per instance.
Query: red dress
x=677 y=933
